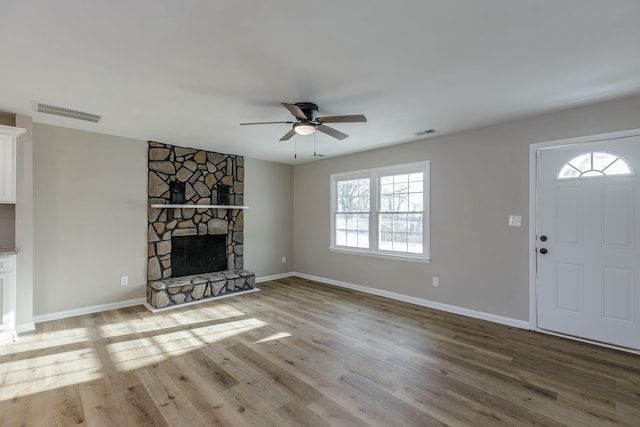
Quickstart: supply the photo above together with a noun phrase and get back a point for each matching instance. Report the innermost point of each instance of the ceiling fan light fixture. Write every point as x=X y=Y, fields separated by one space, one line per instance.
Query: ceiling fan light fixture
x=304 y=128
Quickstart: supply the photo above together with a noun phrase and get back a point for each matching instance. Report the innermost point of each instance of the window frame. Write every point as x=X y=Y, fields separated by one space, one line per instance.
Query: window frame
x=374 y=176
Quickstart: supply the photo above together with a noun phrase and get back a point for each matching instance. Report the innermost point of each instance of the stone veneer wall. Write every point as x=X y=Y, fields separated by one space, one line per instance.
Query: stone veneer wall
x=202 y=172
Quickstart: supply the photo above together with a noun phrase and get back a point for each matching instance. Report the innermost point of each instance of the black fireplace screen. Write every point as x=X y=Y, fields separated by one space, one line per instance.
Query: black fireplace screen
x=198 y=254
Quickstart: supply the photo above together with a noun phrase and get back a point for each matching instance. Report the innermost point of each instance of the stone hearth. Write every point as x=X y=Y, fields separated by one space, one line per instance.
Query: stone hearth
x=179 y=290
x=203 y=175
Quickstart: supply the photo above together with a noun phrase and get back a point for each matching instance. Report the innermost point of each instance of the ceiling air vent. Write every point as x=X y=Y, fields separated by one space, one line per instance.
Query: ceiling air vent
x=66 y=112
x=426 y=132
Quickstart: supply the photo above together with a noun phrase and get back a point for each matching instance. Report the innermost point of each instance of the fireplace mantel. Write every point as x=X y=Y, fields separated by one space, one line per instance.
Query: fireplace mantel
x=176 y=206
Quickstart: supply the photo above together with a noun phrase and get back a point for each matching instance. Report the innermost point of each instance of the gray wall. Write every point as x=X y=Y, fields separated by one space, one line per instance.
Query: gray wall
x=90 y=193
x=24 y=223
x=478 y=178
x=90 y=218
x=7 y=225
x=268 y=231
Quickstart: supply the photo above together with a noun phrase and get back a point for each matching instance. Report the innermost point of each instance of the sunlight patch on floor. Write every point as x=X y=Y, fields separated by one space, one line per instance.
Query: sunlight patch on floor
x=277 y=336
x=137 y=353
x=41 y=373
x=60 y=356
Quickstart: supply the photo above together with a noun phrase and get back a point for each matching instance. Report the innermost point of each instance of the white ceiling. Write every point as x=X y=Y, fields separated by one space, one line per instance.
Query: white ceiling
x=188 y=72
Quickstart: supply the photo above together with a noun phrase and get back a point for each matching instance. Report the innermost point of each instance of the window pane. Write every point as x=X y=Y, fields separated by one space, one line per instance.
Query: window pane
x=399 y=223
x=415 y=243
x=397 y=230
x=620 y=167
x=352 y=238
x=568 y=171
x=415 y=187
x=594 y=164
x=353 y=195
x=415 y=202
x=363 y=239
x=417 y=177
x=415 y=223
x=342 y=188
x=400 y=202
x=386 y=189
x=401 y=187
x=602 y=160
x=341 y=237
x=386 y=203
x=582 y=163
x=363 y=222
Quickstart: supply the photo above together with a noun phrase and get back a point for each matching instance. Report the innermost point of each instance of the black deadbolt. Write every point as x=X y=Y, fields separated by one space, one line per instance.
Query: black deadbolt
x=543 y=238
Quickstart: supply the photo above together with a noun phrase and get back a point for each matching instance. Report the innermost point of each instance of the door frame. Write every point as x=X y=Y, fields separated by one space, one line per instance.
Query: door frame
x=533 y=148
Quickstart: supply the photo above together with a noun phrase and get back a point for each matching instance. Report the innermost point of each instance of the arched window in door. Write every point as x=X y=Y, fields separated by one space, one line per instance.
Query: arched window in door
x=595 y=164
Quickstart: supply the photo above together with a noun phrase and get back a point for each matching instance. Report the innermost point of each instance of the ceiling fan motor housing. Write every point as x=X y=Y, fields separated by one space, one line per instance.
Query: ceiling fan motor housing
x=309 y=109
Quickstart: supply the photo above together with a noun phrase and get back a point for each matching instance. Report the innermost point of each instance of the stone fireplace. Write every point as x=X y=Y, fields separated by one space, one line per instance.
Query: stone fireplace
x=205 y=243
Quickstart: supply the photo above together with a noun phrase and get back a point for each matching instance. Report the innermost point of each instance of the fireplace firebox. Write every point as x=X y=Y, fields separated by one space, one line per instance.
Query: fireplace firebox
x=198 y=254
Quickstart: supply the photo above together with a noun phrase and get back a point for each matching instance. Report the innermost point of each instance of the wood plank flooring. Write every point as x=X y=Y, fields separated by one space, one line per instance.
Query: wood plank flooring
x=303 y=353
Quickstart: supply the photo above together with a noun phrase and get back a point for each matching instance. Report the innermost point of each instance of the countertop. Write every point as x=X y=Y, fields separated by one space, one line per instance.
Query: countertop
x=8 y=251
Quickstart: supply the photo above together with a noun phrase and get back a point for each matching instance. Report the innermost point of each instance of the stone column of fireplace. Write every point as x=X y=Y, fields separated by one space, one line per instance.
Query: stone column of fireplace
x=203 y=173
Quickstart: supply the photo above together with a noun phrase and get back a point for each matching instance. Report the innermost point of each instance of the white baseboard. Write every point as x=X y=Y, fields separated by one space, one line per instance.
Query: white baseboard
x=88 y=310
x=521 y=324
x=233 y=294
x=25 y=327
x=274 y=277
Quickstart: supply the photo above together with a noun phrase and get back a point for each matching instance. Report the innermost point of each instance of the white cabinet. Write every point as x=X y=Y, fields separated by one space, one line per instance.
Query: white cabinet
x=8 y=135
x=7 y=298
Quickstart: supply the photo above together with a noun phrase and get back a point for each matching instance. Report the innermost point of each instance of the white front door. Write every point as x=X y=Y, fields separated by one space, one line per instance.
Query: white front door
x=588 y=241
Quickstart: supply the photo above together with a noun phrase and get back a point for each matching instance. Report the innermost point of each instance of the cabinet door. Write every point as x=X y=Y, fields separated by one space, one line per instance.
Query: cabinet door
x=6 y=313
x=7 y=299
x=7 y=168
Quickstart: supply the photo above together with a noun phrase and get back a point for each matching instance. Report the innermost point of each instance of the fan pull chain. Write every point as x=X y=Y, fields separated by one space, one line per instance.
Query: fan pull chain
x=315 y=134
x=295 y=147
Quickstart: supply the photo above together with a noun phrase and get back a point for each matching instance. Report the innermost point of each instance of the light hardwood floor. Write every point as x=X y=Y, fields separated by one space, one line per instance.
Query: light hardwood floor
x=302 y=353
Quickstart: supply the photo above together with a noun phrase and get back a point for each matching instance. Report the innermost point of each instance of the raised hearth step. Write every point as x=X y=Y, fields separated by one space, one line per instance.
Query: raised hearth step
x=179 y=290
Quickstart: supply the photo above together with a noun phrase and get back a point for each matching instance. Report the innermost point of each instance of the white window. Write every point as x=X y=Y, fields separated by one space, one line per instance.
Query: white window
x=595 y=164
x=382 y=212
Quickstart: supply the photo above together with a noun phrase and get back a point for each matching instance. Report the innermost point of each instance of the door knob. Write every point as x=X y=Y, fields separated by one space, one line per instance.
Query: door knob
x=543 y=251
x=543 y=238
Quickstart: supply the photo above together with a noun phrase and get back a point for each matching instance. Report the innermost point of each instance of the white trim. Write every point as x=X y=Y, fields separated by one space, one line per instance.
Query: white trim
x=25 y=327
x=533 y=148
x=384 y=255
x=158 y=310
x=516 y=323
x=177 y=206
x=12 y=130
x=88 y=310
x=274 y=277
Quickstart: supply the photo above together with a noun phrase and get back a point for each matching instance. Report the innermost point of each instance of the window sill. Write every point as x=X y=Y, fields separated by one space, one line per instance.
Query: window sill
x=381 y=255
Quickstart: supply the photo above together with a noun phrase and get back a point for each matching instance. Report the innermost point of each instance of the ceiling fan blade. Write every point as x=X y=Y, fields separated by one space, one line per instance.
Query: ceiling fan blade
x=287 y=136
x=295 y=110
x=332 y=132
x=263 y=123
x=356 y=118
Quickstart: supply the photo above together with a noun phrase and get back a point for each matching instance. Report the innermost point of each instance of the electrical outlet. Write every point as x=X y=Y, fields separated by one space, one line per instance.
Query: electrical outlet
x=284 y=259
x=124 y=280
x=435 y=282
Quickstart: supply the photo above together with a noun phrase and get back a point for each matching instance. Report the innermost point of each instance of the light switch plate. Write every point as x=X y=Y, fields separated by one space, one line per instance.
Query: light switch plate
x=515 y=221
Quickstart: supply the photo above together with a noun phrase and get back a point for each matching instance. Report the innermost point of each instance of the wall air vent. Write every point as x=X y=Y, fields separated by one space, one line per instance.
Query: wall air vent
x=67 y=112
x=426 y=132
